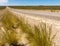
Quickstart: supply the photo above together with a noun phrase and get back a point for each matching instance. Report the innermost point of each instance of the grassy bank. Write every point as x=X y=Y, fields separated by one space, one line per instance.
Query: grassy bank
x=36 y=35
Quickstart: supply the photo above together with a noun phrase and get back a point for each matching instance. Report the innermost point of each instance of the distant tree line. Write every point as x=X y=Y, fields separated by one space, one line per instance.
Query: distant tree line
x=37 y=7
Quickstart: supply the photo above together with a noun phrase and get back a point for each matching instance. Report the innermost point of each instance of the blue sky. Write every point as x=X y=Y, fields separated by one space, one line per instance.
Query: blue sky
x=29 y=2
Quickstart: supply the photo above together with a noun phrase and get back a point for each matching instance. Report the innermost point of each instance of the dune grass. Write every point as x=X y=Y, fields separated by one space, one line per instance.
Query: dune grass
x=8 y=21
x=36 y=35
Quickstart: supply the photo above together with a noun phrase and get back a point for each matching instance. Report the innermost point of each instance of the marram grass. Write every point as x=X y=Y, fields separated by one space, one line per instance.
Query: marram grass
x=36 y=35
x=8 y=21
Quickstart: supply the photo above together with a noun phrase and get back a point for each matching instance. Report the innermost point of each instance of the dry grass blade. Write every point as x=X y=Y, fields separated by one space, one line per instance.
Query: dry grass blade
x=38 y=36
x=9 y=25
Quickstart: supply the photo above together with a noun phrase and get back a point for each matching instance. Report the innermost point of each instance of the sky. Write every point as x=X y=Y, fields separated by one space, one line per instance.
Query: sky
x=29 y=2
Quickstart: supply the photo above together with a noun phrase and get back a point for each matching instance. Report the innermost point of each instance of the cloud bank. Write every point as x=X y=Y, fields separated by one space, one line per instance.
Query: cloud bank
x=3 y=2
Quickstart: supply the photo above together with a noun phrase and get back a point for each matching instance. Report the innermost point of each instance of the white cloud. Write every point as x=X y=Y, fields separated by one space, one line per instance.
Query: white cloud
x=3 y=1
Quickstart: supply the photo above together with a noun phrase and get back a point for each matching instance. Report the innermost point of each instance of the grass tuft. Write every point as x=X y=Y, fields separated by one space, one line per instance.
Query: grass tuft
x=37 y=35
